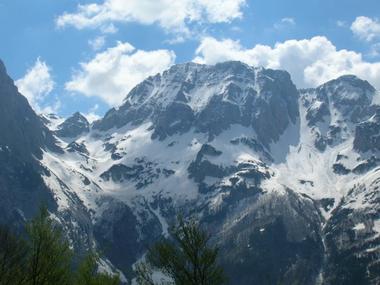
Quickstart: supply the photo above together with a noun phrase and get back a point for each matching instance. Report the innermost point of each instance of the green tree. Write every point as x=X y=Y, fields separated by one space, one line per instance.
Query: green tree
x=49 y=260
x=45 y=258
x=13 y=258
x=187 y=259
x=89 y=275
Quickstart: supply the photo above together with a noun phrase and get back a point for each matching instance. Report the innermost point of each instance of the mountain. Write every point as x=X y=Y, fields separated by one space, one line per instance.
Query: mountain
x=183 y=98
x=23 y=140
x=285 y=180
x=73 y=126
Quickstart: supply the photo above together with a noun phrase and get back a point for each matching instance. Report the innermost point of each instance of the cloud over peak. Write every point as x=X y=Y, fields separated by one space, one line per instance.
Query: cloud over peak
x=36 y=84
x=111 y=74
x=310 y=61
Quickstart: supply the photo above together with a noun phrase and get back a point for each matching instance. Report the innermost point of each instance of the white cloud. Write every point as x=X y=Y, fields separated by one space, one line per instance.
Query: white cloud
x=310 y=62
x=285 y=23
x=97 y=43
x=92 y=116
x=172 y=15
x=366 y=28
x=375 y=50
x=111 y=74
x=36 y=84
x=52 y=108
x=109 y=29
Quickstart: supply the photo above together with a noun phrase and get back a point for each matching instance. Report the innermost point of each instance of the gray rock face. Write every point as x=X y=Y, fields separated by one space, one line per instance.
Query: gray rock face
x=317 y=112
x=73 y=126
x=22 y=130
x=349 y=95
x=77 y=147
x=177 y=118
x=248 y=174
x=352 y=236
x=122 y=235
x=367 y=134
x=23 y=137
x=210 y=99
x=332 y=109
x=276 y=241
x=142 y=173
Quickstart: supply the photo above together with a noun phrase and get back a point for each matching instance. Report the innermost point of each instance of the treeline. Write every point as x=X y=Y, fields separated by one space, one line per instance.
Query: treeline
x=44 y=257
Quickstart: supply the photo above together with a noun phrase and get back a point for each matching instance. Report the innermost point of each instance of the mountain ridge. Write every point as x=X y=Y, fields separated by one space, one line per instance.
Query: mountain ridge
x=270 y=170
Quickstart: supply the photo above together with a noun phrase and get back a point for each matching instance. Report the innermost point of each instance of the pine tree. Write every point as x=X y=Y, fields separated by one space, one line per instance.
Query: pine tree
x=49 y=260
x=187 y=259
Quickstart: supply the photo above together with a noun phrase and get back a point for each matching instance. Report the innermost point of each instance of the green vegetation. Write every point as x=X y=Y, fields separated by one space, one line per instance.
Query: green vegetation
x=49 y=255
x=88 y=275
x=186 y=260
x=45 y=258
x=13 y=258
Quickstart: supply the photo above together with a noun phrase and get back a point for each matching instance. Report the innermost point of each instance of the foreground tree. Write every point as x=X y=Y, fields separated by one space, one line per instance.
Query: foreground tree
x=13 y=258
x=49 y=253
x=89 y=275
x=45 y=258
x=187 y=259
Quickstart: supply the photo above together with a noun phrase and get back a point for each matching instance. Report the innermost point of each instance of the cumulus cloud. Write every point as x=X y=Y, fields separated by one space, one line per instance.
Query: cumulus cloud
x=36 y=84
x=172 y=15
x=366 y=28
x=310 y=61
x=111 y=74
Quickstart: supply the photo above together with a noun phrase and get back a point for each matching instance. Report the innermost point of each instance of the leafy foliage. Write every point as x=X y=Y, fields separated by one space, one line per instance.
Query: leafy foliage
x=187 y=259
x=13 y=258
x=45 y=258
x=88 y=274
x=50 y=255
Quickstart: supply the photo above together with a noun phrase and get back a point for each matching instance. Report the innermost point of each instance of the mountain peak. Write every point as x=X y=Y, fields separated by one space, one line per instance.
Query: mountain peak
x=5 y=80
x=2 y=67
x=210 y=98
x=348 y=91
x=79 y=117
x=20 y=127
x=350 y=82
x=73 y=126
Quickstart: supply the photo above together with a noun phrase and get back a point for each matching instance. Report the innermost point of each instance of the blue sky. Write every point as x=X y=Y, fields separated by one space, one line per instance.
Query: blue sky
x=85 y=55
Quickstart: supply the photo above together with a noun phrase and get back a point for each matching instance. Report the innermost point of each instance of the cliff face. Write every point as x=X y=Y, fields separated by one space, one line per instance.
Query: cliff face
x=22 y=140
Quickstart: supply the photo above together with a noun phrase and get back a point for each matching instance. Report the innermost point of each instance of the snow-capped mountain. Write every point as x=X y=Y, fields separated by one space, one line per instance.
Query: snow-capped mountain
x=73 y=126
x=286 y=180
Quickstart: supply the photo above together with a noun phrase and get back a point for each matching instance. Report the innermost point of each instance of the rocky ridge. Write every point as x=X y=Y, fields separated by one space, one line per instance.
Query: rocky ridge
x=285 y=179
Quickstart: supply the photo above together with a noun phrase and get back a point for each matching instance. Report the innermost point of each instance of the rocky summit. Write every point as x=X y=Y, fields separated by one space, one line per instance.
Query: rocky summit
x=285 y=180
